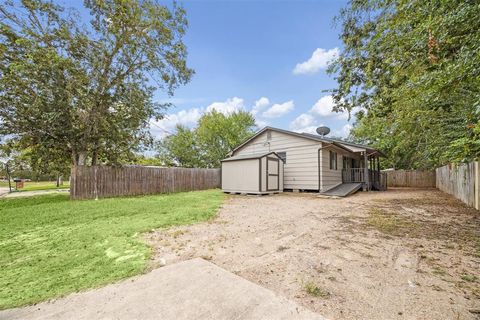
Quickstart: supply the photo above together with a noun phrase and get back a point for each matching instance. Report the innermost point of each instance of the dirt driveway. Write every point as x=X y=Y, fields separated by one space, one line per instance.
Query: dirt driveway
x=401 y=254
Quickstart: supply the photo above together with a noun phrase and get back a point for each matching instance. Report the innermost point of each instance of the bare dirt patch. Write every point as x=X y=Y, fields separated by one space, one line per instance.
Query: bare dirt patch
x=401 y=254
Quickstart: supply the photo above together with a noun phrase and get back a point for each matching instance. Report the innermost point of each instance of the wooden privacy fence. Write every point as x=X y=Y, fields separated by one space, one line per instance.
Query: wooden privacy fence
x=410 y=178
x=105 y=181
x=462 y=181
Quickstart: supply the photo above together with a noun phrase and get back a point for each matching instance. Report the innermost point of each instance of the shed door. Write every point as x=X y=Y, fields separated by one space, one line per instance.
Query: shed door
x=273 y=171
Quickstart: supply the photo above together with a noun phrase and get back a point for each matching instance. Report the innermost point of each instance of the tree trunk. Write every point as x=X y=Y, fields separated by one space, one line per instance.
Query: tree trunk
x=94 y=157
x=81 y=158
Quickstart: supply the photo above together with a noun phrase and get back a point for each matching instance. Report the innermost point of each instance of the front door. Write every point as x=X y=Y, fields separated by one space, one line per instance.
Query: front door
x=273 y=174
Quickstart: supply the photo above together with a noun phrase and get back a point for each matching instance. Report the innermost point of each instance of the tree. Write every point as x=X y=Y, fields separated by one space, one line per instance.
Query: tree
x=412 y=66
x=181 y=148
x=85 y=93
x=219 y=134
x=214 y=137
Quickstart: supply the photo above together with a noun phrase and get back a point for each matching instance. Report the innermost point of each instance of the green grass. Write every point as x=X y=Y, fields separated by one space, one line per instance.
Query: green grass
x=469 y=277
x=315 y=291
x=389 y=223
x=51 y=246
x=34 y=185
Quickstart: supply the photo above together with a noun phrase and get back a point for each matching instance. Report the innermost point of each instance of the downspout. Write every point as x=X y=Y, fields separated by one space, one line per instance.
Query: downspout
x=320 y=169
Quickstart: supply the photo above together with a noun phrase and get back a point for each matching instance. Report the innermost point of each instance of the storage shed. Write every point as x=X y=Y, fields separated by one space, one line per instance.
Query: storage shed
x=259 y=173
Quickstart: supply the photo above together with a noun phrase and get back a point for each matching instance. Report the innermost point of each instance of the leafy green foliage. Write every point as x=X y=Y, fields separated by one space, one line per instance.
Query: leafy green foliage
x=84 y=93
x=414 y=69
x=211 y=141
x=50 y=246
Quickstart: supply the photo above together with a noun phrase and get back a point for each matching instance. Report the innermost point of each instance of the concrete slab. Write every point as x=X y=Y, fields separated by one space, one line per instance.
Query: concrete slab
x=193 y=289
x=4 y=191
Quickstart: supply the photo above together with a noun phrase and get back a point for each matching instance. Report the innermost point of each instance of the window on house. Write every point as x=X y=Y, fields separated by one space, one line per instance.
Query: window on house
x=333 y=160
x=283 y=156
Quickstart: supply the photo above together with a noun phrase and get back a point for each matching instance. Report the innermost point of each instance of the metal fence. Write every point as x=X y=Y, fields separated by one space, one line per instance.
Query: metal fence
x=461 y=181
x=90 y=182
x=410 y=178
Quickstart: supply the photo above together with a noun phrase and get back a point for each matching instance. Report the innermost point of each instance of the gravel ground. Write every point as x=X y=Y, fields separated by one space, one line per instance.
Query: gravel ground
x=400 y=254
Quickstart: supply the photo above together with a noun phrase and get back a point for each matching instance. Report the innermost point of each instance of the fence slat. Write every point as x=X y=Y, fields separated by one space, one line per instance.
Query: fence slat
x=138 y=180
x=410 y=178
x=461 y=181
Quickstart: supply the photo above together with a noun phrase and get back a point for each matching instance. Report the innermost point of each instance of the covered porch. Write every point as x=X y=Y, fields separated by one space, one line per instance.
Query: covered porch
x=365 y=169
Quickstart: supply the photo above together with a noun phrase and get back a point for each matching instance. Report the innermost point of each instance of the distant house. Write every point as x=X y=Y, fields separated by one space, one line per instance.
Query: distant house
x=316 y=163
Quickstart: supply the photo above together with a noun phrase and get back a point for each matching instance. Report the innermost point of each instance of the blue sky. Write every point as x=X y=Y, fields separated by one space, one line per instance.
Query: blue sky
x=267 y=57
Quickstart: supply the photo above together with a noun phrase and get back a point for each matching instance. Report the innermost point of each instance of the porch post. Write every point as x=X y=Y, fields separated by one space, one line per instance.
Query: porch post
x=365 y=170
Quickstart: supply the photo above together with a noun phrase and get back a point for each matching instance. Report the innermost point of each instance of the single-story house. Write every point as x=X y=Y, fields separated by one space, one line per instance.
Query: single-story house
x=317 y=163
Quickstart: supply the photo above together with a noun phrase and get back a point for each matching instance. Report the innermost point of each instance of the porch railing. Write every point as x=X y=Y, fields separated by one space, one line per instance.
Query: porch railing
x=377 y=180
x=353 y=175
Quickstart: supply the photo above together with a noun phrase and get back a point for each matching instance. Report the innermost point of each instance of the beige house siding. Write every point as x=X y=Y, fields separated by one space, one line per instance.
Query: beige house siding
x=264 y=173
x=331 y=177
x=301 y=169
x=240 y=176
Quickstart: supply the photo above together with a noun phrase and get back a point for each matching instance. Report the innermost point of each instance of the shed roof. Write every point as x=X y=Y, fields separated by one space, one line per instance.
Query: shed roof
x=251 y=156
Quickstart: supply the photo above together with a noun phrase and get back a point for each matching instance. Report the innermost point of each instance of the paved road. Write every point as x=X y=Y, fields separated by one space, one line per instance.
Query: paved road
x=193 y=289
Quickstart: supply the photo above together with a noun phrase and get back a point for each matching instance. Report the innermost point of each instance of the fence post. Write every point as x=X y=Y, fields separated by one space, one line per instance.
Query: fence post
x=476 y=193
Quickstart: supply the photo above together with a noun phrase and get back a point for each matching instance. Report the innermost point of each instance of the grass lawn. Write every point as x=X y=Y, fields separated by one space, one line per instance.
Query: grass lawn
x=40 y=185
x=51 y=246
x=4 y=184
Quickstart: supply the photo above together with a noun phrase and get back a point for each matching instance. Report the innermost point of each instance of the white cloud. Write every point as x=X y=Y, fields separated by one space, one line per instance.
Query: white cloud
x=319 y=60
x=343 y=132
x=259 y=105
x=323 y=107
x=167 y=125
x=229 y=106
x=190 y=117
x=302 y=121
x=261 y=123
x=279 y=109
x=308 y=129
x=344 y=115
x=322 y=112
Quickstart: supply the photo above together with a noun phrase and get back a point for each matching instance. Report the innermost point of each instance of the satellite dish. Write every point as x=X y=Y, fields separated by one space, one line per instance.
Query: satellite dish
x=323 y=131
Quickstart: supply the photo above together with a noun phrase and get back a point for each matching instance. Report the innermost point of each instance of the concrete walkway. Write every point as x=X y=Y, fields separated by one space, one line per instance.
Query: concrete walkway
x=33 y=193
x=3 y=191
x=193 y=289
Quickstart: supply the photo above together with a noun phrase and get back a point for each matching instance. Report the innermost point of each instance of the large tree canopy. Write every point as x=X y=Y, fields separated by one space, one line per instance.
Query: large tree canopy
x=84 y=92
x=414 y=68
x=204 y=146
